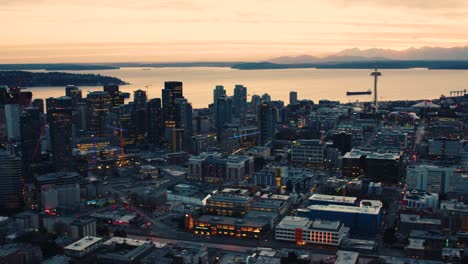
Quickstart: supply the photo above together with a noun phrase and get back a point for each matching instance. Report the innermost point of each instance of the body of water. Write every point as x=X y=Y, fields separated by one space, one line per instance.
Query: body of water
x=315 y=84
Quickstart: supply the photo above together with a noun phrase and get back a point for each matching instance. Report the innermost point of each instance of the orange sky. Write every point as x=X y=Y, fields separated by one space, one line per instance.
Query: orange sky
x=216 y=30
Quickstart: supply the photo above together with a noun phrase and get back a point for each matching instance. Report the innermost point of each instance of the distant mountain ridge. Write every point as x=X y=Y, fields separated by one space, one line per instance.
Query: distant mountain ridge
x=356 y=54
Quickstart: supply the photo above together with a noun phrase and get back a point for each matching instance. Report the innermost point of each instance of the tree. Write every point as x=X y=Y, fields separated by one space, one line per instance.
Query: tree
x=120 y=233
x=102 y=230
x=389 y=236
x=289 y=186
x=60 y=228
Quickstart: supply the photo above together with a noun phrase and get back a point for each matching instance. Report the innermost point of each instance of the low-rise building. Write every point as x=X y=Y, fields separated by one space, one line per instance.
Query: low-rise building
x=308 y=152
x=331 y=199
x=304 y=231
x=421 y=199
x=83 y=247
x=209 y=225
x=410 y=222
x=362 y=220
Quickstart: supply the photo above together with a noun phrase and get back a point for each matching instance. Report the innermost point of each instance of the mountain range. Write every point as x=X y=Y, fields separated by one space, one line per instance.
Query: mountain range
x=356 y=54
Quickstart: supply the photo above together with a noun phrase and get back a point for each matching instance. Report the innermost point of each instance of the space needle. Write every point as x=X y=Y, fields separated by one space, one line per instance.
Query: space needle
x=376 y=75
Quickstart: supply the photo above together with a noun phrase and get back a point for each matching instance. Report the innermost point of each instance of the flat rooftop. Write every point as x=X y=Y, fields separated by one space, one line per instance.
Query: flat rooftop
x=131 y=242
x=346 y=257
x=416 y=219
x=293 y=222
x=231 y=221
x=83 y=243
x=333 y=198
x=345 y=209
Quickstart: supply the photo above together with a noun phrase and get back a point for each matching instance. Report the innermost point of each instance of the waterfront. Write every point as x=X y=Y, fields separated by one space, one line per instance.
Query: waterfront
x=315 y=84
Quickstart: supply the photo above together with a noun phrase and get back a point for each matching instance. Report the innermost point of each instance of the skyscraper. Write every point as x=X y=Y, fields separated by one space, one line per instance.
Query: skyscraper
x=255 y=101
x=31 y=129
x=218 y=92
x=266 y=124
x=154 y=121
x=172 y=90
x=39 y=104
x=184 y=121
x=61 y=133
x=240 y=102
x=74 y=93
x=98 y=104
x=11 y=183
x=223 y=115
x=139 y=101
x=13 y=114
x=293 y=98
x=116 y=98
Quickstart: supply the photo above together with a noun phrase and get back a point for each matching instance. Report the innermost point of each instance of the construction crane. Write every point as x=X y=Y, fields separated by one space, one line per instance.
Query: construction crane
x=121 y=130
x=343 y=187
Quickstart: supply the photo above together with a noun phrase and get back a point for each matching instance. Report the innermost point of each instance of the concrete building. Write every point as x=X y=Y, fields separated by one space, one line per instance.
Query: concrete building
x=238 y=167
x=362 y=220
x=11 y=182
x=323 y=199
x=446 y=148
x=83 y=247
x=308 y=152
x=421 y=199
x=382 y=167
x=209 y=225
x=229 y=203
x=13 y=116
x=304 y=231
x=60 y=196
x=430 y=178
x=410 y=222
x=188 y=194
x=83 y=228
x=454 y=215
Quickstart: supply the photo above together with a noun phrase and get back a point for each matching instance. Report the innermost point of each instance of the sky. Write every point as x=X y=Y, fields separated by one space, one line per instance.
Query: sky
x=42 y=31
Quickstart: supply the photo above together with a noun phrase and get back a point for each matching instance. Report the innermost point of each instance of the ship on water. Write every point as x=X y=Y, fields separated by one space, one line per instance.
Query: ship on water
x=368 y=92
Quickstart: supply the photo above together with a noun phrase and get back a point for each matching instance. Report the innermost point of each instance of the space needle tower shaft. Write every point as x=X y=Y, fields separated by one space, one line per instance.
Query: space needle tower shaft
x=376 y=75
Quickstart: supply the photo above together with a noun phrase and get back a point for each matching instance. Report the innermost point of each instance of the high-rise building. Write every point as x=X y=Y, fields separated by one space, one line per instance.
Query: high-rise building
x=13 y=114
x=139 y=101
x=154 y=121
x=99 y=105
x=31 y=129
x=223 y=115
x=255 y=101
x=3 y=95
x=114 y=92
x=266 y=124
x=218 y=92
x=240 y=102
x=11 y=183
x=266 y=97
x=343 y=141
x=293 y=98
x=172 y=90
x=61 y=133
x=184 y=121
x=309 y=151
x=39 y=104
x=74 y=93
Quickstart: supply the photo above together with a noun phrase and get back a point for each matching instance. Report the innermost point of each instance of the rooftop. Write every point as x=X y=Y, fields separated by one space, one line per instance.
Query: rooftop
x=293 y=222
x=231 y=221
x=416 y=219
x=346 y=209
x=333 y=198
x=346 y=257
x=83 y=243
